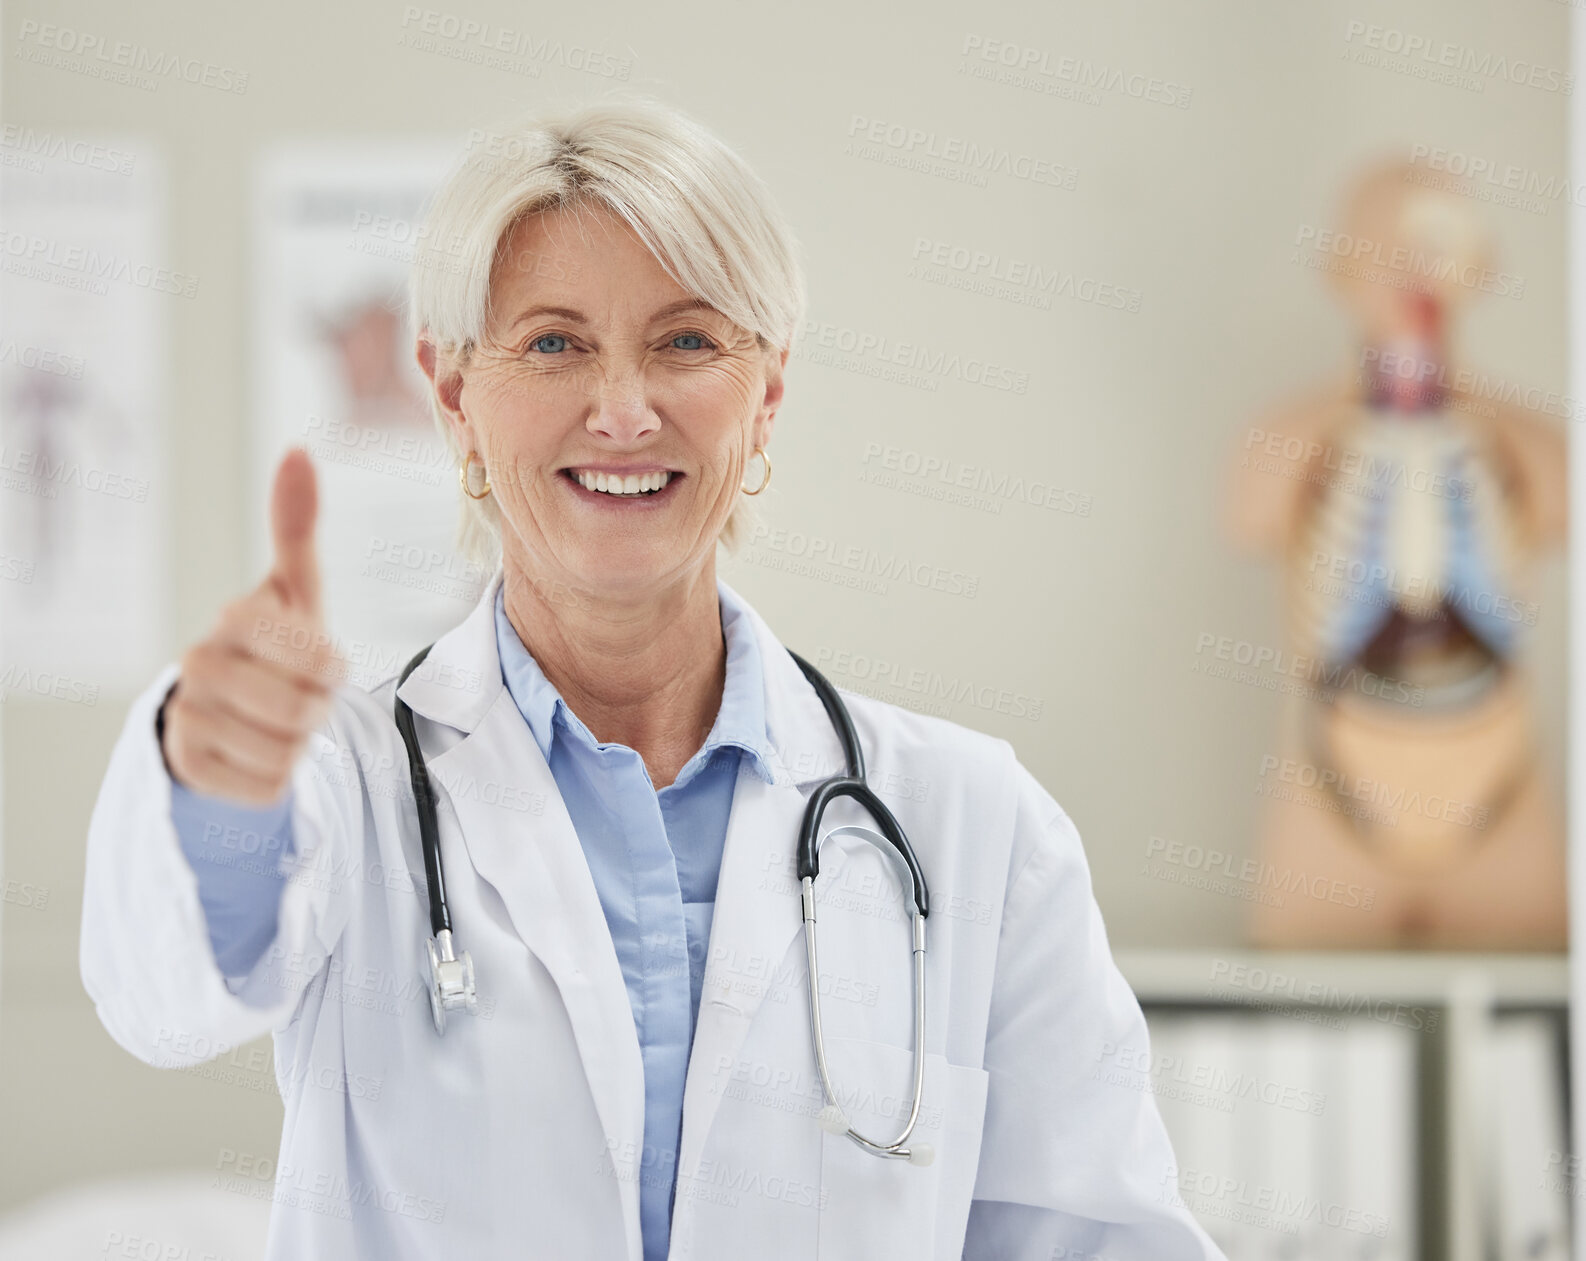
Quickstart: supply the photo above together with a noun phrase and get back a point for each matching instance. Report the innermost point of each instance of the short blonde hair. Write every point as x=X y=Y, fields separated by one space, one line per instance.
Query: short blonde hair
x=693 y=202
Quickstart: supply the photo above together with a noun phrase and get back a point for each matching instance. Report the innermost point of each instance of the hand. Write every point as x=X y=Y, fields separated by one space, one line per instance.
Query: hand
x=250 y=694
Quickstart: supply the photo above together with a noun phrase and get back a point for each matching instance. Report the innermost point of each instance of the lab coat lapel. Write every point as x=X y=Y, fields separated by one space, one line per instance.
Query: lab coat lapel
x=534 y=860
x=538 y=866
x=757 y=912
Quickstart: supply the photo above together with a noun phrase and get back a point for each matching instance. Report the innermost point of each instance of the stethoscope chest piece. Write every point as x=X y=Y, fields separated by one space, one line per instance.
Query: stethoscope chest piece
x=451 y=980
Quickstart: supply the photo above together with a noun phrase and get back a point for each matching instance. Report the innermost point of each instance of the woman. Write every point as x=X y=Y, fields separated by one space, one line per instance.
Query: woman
x=622 y=752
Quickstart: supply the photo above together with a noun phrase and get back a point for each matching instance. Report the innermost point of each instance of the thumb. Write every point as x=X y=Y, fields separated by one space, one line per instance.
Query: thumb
x=294 y=505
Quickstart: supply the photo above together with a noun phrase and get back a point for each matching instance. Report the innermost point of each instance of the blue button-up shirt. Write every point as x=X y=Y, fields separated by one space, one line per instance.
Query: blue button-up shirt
x=655 y=857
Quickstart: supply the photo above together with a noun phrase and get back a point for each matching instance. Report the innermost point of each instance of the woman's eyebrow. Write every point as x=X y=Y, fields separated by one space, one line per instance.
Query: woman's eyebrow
x=566 y=313
x=685 y=304
x=578 y=317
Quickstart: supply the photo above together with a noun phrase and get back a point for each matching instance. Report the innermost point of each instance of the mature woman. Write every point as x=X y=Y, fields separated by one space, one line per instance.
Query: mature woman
x=622 y=753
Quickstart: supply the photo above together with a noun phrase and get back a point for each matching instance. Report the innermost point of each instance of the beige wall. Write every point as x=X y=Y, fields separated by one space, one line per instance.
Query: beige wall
x=1097 y=616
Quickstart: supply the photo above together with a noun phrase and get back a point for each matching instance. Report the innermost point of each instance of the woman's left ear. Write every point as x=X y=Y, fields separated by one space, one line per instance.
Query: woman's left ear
x=776 y=362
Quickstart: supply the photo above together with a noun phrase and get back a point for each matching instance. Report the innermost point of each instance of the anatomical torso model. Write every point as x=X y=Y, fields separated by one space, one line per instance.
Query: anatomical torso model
x=1408 y=509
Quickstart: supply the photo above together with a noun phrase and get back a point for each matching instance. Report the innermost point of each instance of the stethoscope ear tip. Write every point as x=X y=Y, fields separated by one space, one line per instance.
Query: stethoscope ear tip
x=921 y=1154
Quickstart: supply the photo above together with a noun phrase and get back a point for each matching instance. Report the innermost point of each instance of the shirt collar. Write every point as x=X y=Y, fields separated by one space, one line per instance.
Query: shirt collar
x=740 y=722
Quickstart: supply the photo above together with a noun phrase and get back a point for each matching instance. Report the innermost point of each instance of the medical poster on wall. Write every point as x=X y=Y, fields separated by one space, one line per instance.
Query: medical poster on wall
x=84 y=341
x=337 y=229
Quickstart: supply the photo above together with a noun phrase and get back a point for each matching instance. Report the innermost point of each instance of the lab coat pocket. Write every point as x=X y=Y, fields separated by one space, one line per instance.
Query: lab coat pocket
x=883 y=1205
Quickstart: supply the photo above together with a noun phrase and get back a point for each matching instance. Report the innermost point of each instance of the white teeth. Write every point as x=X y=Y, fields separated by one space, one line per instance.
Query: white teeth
x=633 y=484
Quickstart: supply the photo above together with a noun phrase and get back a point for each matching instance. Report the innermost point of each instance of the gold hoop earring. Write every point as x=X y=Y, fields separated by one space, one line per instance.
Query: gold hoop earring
x=766 y=480
x=462 y=476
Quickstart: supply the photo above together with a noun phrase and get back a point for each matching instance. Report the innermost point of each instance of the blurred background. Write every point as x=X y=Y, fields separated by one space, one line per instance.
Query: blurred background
x=1184 y=397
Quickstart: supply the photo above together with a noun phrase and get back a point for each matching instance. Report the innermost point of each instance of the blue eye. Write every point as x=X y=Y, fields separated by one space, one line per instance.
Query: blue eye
x=699 y=337
x=549 y=337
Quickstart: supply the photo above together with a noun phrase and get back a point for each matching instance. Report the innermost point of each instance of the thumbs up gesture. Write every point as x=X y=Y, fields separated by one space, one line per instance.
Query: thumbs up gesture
x=251 y=693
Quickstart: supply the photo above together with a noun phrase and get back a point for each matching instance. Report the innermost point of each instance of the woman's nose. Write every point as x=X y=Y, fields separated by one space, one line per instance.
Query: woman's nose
x=620 y=408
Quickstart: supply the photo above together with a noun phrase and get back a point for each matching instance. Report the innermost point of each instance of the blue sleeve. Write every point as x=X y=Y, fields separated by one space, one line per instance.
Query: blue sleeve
x=236 y=853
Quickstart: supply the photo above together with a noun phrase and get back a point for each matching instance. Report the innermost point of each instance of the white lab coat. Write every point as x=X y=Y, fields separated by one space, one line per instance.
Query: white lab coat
x=519 y=1134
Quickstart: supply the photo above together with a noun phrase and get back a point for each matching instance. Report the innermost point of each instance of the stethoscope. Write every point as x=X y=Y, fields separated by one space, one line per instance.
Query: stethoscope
x=451 y=975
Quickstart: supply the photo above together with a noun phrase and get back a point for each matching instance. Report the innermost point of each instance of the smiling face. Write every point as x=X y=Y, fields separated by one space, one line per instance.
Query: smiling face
x=598 y=365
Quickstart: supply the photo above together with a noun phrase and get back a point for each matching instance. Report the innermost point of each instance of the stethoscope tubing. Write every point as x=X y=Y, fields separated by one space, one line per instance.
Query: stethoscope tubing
x=424 y=798
x=852 y=784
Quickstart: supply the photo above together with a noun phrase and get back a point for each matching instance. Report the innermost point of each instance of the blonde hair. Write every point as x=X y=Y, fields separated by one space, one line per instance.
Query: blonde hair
x=692 y=201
